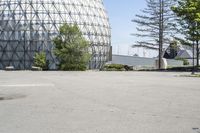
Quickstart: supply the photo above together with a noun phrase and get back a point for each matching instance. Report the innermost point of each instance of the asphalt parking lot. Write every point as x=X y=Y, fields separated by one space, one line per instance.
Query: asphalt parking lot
x=99 y=102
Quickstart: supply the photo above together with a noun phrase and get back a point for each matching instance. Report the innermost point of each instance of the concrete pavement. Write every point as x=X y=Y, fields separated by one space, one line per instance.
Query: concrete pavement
x=99 y=102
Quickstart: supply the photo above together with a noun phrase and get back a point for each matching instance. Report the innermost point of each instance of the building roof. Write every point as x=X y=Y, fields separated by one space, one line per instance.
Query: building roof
x=185 y=54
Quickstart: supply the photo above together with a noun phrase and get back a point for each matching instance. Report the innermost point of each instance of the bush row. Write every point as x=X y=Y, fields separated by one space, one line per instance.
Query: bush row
x=117 y=67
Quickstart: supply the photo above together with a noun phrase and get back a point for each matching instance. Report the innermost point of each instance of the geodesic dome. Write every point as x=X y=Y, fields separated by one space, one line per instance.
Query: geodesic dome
x=28 y=26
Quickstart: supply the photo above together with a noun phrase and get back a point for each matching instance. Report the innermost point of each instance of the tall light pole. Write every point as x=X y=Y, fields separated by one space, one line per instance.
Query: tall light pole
x=193 y=59
x=193 y=51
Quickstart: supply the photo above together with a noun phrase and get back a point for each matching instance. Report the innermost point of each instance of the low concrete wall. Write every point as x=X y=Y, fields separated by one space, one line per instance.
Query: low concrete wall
x=140 y=61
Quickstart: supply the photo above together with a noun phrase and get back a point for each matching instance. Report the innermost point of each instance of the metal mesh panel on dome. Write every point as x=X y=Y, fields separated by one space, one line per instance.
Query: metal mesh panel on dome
x=28 y=26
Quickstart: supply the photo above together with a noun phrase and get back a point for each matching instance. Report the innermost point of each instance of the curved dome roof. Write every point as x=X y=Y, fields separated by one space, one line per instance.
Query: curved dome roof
x=35 y=22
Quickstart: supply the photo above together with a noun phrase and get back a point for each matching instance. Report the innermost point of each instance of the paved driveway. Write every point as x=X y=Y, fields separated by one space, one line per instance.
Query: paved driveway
x=98 y=102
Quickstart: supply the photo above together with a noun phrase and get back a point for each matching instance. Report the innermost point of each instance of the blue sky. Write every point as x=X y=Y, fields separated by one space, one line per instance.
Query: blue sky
x=121 y=12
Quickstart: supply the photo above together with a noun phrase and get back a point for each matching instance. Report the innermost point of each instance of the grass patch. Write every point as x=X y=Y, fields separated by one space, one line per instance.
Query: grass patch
x=184 y=69
x=192 y=75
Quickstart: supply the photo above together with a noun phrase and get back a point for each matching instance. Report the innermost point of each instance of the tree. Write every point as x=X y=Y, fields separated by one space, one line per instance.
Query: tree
x=189 y=13
x=155 y=25
x=40 y=60
x=71 y=49
x=172 y=51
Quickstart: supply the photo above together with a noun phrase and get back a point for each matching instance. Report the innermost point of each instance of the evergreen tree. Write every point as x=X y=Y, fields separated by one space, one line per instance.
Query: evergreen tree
x=71 y=49
x=155 y=25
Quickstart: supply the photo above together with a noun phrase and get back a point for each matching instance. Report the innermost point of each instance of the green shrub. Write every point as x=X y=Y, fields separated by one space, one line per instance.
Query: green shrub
x=40 y=60
x=114 y=67
x=185 y=61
